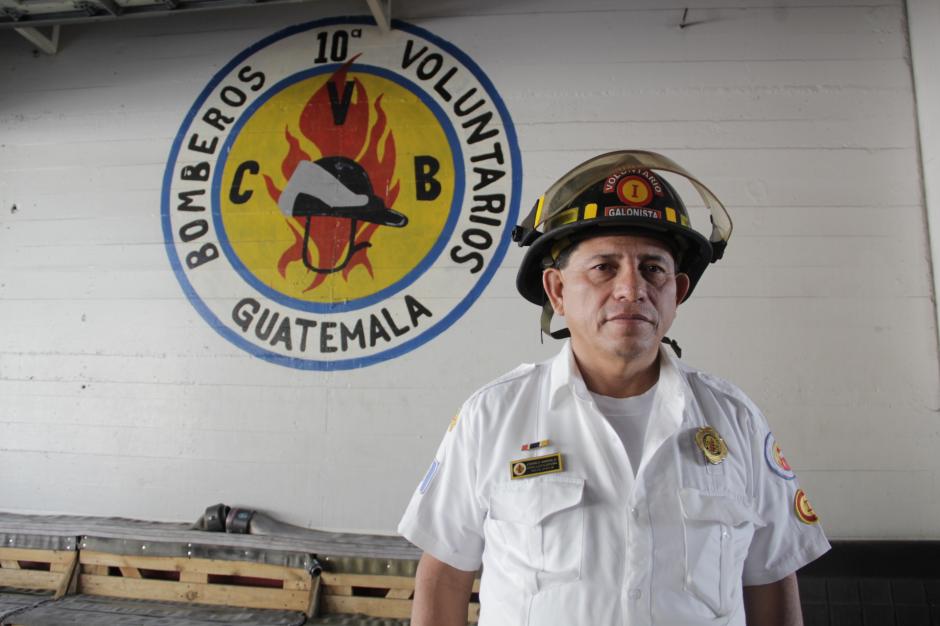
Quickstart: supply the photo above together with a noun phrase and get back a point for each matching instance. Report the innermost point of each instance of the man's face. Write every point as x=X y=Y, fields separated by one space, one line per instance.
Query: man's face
x=618 y=295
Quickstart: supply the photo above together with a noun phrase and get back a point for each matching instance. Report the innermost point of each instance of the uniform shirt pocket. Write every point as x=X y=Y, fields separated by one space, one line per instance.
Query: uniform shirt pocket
x=717 y=530
x=536 y=529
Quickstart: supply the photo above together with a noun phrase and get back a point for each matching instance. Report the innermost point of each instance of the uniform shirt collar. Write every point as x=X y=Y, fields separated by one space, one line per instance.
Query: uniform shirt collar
x=565 y=377
x=668 y=406
x=670 y=394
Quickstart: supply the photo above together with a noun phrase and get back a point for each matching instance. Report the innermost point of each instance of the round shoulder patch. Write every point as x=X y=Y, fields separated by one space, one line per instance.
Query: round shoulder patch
x=804 y=510
x=775 y=459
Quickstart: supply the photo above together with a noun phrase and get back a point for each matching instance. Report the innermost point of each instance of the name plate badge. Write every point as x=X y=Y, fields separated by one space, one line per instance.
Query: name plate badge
x=536 y=466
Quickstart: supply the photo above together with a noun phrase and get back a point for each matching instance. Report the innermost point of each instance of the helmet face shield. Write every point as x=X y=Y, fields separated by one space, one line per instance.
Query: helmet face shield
x=618 y=193
x=560 y=195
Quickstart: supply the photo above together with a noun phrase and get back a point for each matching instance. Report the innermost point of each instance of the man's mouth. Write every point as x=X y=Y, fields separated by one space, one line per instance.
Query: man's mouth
x=630 y=317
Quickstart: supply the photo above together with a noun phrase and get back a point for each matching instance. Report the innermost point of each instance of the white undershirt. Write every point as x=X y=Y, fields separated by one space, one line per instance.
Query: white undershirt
x=629 y=418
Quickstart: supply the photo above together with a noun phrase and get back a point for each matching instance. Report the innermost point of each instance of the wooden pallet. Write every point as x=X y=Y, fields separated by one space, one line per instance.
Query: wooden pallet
x=205 y=581
x=39 y=570
x=376 y=595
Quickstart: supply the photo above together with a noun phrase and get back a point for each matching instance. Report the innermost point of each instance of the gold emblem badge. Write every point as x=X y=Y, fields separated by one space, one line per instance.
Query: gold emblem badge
x=711 y=444
x=804 y=510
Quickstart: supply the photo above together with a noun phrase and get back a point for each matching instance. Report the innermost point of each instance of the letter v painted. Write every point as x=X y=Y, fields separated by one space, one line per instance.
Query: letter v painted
x=339 y=106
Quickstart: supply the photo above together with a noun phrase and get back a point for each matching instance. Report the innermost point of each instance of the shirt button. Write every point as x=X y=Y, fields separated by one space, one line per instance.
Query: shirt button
x=636 y=513
x=635 y=594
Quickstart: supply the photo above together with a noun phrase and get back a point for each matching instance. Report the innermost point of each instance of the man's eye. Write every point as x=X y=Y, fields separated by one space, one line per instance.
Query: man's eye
x=654 y=269
x=601 y=267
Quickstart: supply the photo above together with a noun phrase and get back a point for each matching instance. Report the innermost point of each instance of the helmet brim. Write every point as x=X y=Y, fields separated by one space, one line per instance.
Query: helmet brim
x=696 y=249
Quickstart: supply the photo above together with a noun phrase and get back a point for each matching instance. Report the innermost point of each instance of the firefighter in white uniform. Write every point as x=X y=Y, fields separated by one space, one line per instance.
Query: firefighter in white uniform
x=613 y=484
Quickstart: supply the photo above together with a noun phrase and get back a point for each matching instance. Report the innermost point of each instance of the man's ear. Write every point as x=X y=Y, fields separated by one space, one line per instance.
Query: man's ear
x=682 y=287
x=553 y=284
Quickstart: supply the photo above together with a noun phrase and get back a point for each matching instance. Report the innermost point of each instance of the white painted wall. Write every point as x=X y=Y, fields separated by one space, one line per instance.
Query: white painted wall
x=116 y=398
x=923 y=18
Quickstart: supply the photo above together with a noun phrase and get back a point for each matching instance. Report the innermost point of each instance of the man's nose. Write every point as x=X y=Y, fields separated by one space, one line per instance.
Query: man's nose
x=629 y=285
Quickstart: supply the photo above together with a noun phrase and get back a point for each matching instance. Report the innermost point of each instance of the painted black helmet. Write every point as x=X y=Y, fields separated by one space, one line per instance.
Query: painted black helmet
x=340 y=188
x=336 y=187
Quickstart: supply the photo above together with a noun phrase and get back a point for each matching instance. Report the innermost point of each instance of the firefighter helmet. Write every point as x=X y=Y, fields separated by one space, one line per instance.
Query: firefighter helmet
x=617 y=192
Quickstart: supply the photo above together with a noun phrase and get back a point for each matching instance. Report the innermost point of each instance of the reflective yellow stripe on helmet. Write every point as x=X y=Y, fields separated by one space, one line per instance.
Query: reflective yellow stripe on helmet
x=565 y=217
x=538 y=212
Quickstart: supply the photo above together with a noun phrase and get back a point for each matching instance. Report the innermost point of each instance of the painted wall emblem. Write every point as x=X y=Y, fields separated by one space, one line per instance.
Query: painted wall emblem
x=338 y=196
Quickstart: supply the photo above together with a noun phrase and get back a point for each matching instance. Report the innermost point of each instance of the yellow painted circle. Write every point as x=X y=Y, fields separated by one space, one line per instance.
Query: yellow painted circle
x=269 y=243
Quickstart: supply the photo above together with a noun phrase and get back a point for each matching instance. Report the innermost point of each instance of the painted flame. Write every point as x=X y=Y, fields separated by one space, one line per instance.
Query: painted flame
x=354 y=139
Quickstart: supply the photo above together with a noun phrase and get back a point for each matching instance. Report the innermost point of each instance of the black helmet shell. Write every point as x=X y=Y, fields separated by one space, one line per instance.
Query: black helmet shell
x=626 y=201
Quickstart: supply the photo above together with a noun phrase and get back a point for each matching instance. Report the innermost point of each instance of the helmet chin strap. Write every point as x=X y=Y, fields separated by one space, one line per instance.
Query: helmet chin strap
x=547 y=313
x=672 y=343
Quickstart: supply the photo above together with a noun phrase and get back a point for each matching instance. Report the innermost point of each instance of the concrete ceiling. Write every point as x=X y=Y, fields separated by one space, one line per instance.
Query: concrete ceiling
x=39 y=21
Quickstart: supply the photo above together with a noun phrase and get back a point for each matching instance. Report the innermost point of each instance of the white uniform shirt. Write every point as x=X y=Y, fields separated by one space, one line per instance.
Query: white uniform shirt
x=629 y=418
x=592 y=544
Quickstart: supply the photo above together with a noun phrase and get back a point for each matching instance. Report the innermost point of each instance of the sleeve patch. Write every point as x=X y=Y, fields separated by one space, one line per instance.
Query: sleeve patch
x=775 y=459
x=804 y=510
x=429 y=477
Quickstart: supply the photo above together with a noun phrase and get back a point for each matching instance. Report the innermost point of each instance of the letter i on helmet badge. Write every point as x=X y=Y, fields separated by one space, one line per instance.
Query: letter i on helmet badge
x=614 y=193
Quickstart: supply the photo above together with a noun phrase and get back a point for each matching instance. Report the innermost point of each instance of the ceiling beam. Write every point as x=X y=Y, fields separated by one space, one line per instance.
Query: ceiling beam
x=98 y=7
x=112 y=7
x=382 y=12
x=10 y=12
x=88 y=11
x=48 y=44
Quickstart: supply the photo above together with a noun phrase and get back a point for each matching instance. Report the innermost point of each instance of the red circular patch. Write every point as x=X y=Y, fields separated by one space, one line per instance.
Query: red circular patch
x=804 y=510
x=634 y=190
